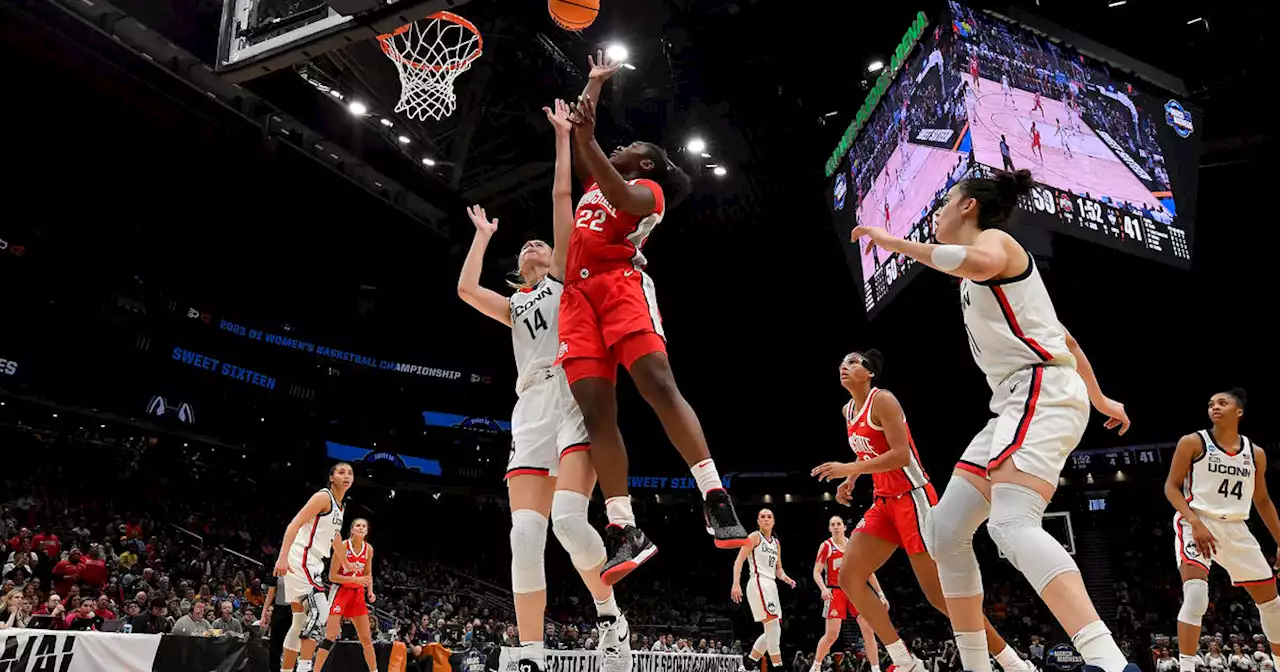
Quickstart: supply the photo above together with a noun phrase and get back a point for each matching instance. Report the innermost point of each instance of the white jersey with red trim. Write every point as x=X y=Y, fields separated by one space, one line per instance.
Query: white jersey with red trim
x=764 y=559
x=535 y=330
x=1220 y=484
x=314 y=542
x=1012 y=325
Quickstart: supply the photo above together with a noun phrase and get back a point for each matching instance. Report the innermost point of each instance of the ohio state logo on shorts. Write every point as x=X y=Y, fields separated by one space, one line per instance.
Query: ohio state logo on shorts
x=564 y=348
x=337 y=608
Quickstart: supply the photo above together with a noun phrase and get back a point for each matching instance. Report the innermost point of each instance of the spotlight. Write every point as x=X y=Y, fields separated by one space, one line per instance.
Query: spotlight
x=1117 y=3
x=720 y=171
x=696 y=145
x=386 y=122
x=404 y=139
x=706 y=155
x=617 y=53
x=428 y=161
x=875 y=66
x=358 y=108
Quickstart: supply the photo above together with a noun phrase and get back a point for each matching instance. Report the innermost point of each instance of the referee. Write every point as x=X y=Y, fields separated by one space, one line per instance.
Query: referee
x=276 y=618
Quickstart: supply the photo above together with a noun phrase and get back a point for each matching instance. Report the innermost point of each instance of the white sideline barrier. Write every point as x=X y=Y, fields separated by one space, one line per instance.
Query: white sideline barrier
x=641 y=661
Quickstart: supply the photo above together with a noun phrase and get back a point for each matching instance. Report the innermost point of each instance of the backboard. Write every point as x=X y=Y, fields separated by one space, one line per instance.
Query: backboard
x=257 y=37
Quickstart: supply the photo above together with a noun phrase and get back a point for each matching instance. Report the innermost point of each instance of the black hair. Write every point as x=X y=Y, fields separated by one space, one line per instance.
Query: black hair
x=1240 y=396
x=996 y=196
x=676 y=184
x=873 y=361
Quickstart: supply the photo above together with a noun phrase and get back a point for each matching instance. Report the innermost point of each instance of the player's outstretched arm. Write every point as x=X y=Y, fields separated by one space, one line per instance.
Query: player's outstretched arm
x=482 y=299
x=1188 y=451
x=561 y=188
x=602 y=69
x=314 y=507
x=1262 y=498
x=987 y=258
x=633 y=199
x=1114 y=410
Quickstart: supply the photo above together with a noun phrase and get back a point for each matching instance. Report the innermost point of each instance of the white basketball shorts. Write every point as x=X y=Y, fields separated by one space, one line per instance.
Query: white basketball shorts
x=545 y=425
x=1041 y=413
x=1237 y=550
x=762 y=596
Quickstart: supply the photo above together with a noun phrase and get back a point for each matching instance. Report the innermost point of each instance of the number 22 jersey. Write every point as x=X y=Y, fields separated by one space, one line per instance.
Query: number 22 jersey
x=1220 y=484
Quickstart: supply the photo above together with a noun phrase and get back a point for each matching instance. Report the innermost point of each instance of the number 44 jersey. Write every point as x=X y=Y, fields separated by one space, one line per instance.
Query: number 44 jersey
x=535 y=329
x=1219 y=484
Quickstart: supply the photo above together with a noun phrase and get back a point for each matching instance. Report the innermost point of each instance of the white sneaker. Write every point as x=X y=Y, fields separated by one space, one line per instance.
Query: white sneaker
x=615 y=644
x=304 y=666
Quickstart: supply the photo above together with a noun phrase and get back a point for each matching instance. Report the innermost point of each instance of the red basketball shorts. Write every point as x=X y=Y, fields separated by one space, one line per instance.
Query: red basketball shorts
x=608 y=319
x=839 y=606
x=349 y=602
x=900 y=520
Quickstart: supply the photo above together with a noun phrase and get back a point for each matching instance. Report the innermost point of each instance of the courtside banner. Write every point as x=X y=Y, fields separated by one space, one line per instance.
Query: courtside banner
x=641 y=661
x=54 y=651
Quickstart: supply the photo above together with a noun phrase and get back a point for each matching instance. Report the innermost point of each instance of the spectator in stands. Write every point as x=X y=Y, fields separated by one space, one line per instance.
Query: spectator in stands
x=1036 y=651
x=226 y=621
x=53 y=607
x=84 y=617
x=194 y=623
x=47 y=543
x=103 y=608
x=155 y=621
x=94 y=569
x=12 y=610
x=67 y=571
x=1166 y=662
x=24 y=559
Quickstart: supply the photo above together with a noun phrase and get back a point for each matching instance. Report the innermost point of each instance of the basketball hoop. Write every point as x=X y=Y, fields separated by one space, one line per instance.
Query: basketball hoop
x=429 y=54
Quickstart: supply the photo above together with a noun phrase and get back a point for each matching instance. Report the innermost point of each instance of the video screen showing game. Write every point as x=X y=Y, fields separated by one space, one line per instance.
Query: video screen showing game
x=1114 y=164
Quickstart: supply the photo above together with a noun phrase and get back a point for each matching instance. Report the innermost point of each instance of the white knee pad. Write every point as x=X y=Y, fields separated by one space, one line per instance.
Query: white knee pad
x=579 y=539
x=1015 y=526
x=760 y=644
x=773 y=636
x=293 y=638
x=949 y=534
x=1195 y=601
x=528 y=551
x=1269 y=614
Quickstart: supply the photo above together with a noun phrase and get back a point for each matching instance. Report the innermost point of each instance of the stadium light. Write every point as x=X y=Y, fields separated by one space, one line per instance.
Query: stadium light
x=358 y=108
x=720 y=171
x=617 y=53
x=1196 y=20
x=706 y=155
x=404 y=139
x=696 y=145
x=628 y=66
x=875 y=66
x=428 y=161
x=385 y=122
x=1117 y=3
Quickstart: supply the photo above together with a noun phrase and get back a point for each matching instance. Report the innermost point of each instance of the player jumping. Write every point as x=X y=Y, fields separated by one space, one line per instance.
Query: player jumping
x=1213 y=482
x=882 y=445
x=765 y=553
x=835 y=603
x=1042 y=385
x=610 y=317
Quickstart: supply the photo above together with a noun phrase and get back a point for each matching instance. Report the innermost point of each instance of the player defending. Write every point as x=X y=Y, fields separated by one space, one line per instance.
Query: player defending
x=1213 y=480
x=1062 y=138
x=1042 y=385
x=835 y=603
x=881 y=441
x=311 y=537
x=765 y=554
x=1035 y=142
x=351 y=585
x=550 y=472
x=1008 y=94
x=611 y=317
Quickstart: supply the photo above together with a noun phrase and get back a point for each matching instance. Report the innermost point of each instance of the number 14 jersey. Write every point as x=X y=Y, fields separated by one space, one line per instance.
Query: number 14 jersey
x=1220 y=484
x=534 y=328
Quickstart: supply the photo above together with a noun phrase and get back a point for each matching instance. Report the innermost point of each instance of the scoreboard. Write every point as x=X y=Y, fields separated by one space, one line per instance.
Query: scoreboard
x=1098 y=459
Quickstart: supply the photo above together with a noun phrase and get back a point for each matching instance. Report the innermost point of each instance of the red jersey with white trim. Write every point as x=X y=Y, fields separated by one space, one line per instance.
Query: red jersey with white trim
x=1012 y=325
x=832 y=556
x=605 y=238
x=868 y=441
x=357 y=560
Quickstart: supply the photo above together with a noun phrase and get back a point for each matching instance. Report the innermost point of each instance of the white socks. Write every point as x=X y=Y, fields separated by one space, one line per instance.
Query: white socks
x=972 y=647
x=899 y=654
x=1186 y=663
x=1098 y=649
x=619 y=510
x=707 y=477
x=533 y=651
x=1009 y=659
x=607 y=608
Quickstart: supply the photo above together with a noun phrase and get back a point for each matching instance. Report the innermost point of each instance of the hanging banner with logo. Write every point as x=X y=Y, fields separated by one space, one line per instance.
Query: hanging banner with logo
x=25 y=650
x=641 y=661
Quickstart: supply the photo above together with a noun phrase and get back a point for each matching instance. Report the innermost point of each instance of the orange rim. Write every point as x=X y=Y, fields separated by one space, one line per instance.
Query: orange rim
x=394 y=55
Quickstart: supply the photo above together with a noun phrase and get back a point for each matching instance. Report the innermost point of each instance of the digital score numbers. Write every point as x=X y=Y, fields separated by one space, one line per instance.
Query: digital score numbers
x=1102 y=222
x=1118 y=458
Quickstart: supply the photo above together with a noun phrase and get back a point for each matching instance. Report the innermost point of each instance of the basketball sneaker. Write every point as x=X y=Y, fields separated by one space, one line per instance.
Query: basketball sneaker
x=615 y=643
x=628 y=549
x=722 y=520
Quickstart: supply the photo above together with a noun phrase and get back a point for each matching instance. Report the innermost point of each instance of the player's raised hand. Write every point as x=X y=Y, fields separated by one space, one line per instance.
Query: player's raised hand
x=1116 y=415
x=602 y=67
x=583 y=115
x=559 y=116
x=875 y=234
x=481 y=220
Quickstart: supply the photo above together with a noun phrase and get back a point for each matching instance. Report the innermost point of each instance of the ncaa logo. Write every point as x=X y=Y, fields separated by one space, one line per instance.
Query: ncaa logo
x=841 y=189
x=1177 y=117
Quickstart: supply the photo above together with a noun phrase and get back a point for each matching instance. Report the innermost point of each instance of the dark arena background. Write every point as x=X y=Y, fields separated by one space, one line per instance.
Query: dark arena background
x=227 y=263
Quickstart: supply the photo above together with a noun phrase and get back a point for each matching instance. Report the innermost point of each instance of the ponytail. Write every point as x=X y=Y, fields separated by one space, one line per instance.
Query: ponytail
x=998 y=195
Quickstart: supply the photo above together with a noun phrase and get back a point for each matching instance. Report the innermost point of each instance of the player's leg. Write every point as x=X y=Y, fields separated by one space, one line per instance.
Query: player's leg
x=530 y=496
x=868 y=548
x=760 y=613
x=1194 y=570
x=366 y=641
x=869 y=643
x=1240 y=554
x=1043 y=416
x=315 y=611
x=293 y=638
x=332 y=630
x=829 y=636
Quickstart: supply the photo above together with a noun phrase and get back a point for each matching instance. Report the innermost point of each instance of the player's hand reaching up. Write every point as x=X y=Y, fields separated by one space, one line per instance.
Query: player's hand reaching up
x=583 y=115
x=559 y=116
x=602 y=67
x=481 y=219
x=877 y=236
x=1116 y=415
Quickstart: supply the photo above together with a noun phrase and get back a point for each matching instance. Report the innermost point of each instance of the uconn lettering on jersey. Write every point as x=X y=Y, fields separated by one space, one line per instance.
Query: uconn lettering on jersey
x=1215 y=467
x=519 y=309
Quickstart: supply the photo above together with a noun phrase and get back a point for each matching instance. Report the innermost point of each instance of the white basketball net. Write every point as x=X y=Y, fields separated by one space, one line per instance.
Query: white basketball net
x=430 y=54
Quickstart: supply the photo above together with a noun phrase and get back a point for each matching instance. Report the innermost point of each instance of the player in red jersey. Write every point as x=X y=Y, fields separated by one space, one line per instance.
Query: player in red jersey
x=1037 y=105
x=835 y=603
x=350 y=587
x=1035 y=141
x=878 y=433
x=609 y=316
x=973 y=73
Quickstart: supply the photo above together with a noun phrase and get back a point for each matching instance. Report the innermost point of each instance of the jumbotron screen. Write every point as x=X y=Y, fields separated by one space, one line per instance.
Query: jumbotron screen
x=1114 y=163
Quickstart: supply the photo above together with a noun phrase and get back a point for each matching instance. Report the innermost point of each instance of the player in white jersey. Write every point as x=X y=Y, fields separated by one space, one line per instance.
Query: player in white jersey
x=1213 y=482
x=549 y=473
x=763 y=552
x=1008 y=94
x=312 y=537
x=1042 y=385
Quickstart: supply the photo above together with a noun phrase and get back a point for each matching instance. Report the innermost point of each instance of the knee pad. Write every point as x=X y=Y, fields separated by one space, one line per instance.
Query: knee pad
x=760 y=644
x=1195 y=601
x=528 y=551
x=326 y=645
x=1269 y=614
x=1015 y=526
x=773 y=636
x=579 y=539
x=949 y=532
x=293 y=638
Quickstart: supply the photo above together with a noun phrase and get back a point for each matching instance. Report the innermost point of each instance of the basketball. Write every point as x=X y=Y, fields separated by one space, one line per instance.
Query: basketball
x=573 y=14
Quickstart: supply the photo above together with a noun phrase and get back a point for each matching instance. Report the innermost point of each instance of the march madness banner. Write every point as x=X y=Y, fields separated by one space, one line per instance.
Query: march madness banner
x=641 y=661
x=52 y=651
